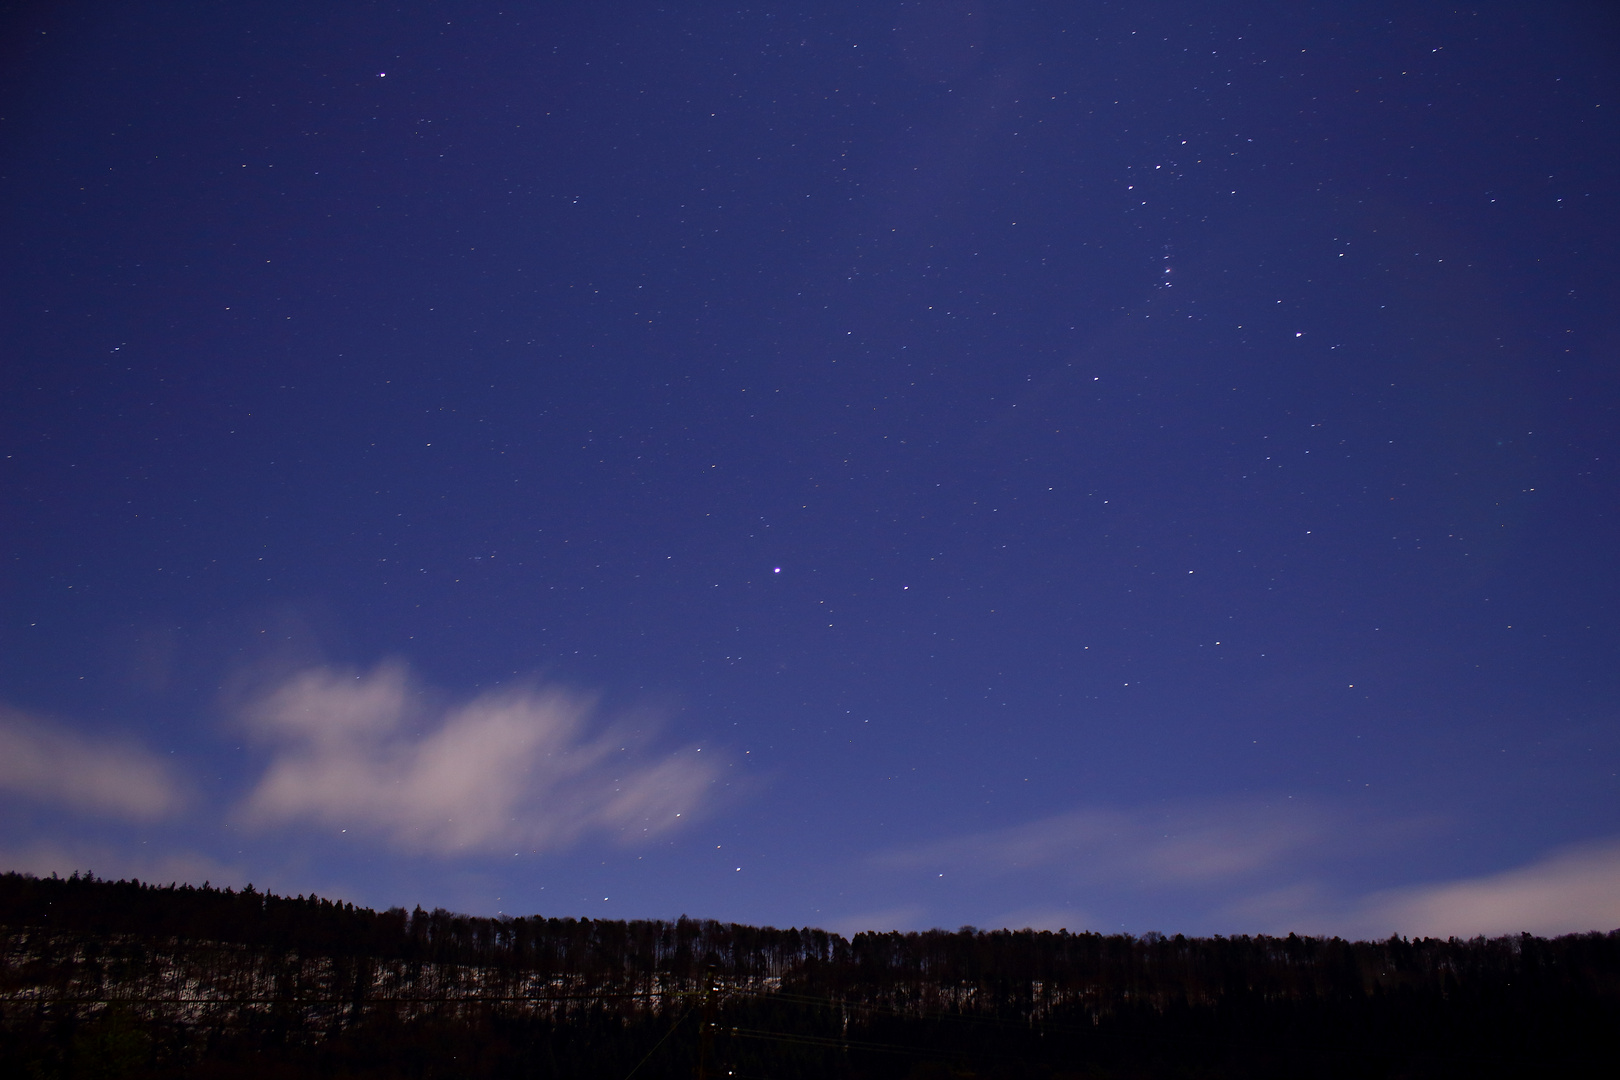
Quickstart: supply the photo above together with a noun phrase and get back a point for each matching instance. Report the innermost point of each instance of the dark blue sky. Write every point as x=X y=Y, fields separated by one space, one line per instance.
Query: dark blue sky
x=1107 y=465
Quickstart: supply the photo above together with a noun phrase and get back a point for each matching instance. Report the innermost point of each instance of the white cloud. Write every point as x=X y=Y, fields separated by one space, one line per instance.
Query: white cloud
x=1571 y=891
x=113 y=777
x=1176 y=845
x=516 y=769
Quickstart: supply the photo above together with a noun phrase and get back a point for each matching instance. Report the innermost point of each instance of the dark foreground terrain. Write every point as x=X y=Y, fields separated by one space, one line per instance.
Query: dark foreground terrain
x=122 y=979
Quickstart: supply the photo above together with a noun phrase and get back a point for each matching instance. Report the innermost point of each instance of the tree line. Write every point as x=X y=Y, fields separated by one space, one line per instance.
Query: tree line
x=188 y=978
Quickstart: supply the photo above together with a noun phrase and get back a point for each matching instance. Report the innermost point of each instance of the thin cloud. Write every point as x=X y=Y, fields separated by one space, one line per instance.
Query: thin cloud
x=1573 y=890
x=1049 y=918
x=507 y=770
x=1265 y=866
x=113 y=862
x=904 y=918
x=1179 y=845
x=114 y=777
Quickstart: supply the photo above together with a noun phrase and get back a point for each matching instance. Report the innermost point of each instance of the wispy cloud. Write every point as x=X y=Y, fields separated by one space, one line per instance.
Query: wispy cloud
x=1238 y=866
x=514 y=769
x=1572 y=890
x=1185 y=844
x=115 y=777
x=904 y=917
x=47 y=857
x=1046 y=918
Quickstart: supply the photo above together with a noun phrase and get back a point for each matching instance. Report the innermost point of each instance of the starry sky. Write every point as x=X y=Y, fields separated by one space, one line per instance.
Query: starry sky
x=876 y=465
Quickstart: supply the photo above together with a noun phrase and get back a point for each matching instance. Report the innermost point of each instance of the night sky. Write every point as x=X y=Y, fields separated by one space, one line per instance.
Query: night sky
x=1107 y=465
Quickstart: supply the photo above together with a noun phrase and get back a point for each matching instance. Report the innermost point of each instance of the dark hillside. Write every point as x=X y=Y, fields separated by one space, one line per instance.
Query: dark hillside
x=103 y=978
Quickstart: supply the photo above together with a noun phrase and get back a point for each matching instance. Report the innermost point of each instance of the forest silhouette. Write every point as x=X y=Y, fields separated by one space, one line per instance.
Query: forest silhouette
x=126 y=979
